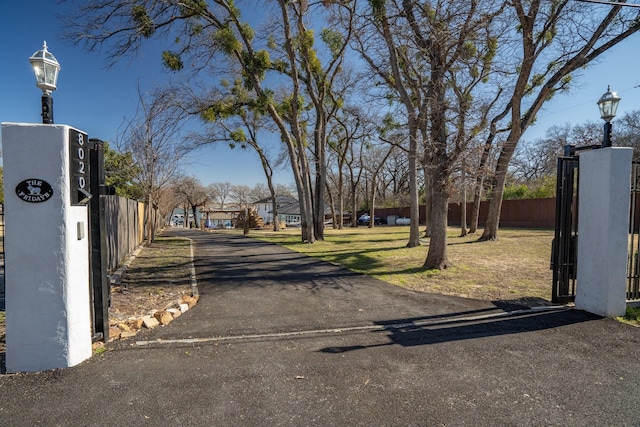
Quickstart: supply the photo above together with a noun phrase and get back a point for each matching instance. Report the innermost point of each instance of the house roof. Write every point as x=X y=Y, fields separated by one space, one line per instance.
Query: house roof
x=289 y=209
x=281 y=200
x=288 y=205
x=222 y=216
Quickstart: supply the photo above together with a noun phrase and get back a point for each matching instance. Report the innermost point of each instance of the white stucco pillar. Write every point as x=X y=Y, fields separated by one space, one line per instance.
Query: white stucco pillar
x=48 y=311
x=603 y=229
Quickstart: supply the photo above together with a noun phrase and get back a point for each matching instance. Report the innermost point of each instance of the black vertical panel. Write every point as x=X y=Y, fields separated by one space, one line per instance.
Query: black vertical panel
x=564 y=246
x=79 y=165
x=97 y=236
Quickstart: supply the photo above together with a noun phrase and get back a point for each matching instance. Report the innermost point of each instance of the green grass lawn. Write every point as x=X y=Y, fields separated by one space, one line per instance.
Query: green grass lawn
x=515 y=267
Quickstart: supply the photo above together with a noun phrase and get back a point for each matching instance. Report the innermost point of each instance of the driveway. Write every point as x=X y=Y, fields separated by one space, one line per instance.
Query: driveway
x=279 y=338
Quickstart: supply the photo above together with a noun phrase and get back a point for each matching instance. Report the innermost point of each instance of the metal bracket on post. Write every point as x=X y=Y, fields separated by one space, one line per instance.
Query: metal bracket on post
x=84 y=196
x=606 y=142
x=47 y=109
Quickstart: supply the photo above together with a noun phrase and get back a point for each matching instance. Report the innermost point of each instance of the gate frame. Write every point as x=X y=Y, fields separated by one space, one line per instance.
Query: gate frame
x=564 y=248
x=633 y=258
x=98 y=278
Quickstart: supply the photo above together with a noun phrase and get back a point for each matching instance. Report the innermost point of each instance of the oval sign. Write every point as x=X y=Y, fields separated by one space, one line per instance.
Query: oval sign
x=34 y=190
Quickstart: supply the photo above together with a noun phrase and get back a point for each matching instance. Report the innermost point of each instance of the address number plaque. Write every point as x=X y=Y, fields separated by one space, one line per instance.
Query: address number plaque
x=79 y=167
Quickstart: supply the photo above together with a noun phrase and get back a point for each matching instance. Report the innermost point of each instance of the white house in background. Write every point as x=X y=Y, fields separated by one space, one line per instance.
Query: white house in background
x=288 y=210
x=216 y=216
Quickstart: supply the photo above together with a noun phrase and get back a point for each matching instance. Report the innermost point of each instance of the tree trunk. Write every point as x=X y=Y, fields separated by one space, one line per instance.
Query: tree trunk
x=332 y=207
x=245 y=226
x=437 y=257
x=475 y=209
x=321 y=175
x=274 y=204
x=305 y=196
x=414 y=207
x=340 y=197
x=372 y=202
x=274 y=210
x=440 y=165
x=495 y=203
x=194 y=208
x=149 y=230
x=428 y=197
x=301 y=175
x=463 y=205
x=185 y=211
x=354 y=206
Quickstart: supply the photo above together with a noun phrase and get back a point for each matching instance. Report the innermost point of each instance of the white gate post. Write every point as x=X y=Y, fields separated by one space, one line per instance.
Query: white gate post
x=48 y=312
x=603 y=230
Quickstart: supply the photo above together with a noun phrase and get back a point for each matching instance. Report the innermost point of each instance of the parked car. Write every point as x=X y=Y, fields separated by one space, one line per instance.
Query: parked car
x=364 y=219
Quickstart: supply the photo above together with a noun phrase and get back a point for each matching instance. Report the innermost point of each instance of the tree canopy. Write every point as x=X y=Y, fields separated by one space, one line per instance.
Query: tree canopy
x=460 y=81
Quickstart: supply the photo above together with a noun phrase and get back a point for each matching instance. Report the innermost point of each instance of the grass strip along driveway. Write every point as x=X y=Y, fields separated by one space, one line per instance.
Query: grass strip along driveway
x=514 y=268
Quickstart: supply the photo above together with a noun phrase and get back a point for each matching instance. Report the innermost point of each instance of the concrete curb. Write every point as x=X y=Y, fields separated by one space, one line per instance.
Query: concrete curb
x=194 y=279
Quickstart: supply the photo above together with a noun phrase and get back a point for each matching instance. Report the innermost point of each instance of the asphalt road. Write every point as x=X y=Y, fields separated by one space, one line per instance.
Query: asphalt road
x=282 y=339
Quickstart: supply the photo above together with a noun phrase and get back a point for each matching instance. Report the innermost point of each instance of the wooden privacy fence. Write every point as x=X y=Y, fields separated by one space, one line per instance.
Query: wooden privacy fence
x=526 y=213
x=124 y=228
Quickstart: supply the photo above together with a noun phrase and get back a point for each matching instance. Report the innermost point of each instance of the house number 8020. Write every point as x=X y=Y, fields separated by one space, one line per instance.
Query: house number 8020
x=82 y=183
x=79 y=169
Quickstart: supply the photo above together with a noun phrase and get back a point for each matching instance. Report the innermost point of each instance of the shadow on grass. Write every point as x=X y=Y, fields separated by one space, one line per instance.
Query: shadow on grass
x=158 y=275
x=355 y=260
x=449 y=243
x=343 y=241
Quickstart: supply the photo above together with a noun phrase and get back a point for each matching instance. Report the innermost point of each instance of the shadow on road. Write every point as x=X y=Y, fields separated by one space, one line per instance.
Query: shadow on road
x=440 y=329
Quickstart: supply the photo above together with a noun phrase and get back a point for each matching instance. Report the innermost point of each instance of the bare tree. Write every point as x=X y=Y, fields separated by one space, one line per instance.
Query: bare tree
x=222 y=191
x=193 y=194
x=237 y=119
x=152 y=136
x=241 y=194
x=435 y=57
x=260 y=191
x=285 y=190
x=555 y=39
x=212 y=36
x=351 y=126
x=376 y=157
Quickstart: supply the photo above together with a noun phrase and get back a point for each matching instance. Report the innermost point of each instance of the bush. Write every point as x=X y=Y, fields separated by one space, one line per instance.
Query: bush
x=516 y=192
x=542 y=188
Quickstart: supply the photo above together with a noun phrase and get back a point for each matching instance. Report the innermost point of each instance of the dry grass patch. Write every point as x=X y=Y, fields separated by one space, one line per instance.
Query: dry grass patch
x=515 y=267
x=159 y=275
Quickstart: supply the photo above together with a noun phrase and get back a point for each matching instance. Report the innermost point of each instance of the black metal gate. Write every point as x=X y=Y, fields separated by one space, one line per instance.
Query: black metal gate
x=633 y=263
x=2 y=300
x=564 y=250
x=564 y=246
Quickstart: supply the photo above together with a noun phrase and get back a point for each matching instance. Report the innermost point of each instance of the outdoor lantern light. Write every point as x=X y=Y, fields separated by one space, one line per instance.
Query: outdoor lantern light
x=608 y=104
x=46 y=68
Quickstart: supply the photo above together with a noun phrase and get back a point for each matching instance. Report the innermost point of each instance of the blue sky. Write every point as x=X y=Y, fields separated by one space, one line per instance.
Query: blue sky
x=97 y=99
x=92 y=97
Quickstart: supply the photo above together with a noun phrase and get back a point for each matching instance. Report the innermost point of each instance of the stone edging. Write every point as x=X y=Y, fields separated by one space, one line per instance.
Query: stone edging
x=155 y=318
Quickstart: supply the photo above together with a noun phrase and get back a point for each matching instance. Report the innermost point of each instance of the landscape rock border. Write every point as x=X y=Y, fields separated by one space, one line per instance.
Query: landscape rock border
x=162 y=317
x=155 y=318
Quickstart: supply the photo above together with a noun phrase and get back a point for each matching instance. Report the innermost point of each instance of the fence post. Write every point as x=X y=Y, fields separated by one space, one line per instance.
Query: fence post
x=603 y=226
x=47 y=259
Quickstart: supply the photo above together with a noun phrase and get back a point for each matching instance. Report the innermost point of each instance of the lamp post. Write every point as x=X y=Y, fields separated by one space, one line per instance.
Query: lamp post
x=608 y=104
x=46 y=68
